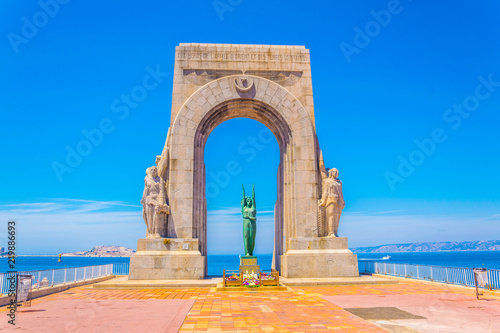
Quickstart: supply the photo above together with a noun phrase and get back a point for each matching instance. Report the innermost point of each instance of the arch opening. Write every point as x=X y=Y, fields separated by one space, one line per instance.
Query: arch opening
x=238 y=108
x=239 y=151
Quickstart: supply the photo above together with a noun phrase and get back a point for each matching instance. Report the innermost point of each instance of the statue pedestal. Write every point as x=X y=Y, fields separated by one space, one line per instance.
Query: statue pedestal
x=323 y=257
x=167 y=259
x=249 y=263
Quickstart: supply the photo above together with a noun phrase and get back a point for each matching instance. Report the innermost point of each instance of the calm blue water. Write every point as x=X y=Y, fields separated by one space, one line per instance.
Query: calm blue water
x=217 y=263
x=487 y=259
x=41 y=263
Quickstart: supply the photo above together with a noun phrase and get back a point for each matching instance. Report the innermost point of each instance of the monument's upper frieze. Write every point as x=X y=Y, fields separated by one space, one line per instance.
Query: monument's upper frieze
x=242 y=53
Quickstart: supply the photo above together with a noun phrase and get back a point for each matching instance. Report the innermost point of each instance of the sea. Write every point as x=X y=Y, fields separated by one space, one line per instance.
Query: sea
x=217 y=263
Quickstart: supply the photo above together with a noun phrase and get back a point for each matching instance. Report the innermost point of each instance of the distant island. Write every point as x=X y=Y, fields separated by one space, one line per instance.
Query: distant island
x=492 y=245
x=103 y=251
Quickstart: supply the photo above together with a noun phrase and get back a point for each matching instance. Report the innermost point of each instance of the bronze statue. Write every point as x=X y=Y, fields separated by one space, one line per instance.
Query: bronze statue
x=249 y=212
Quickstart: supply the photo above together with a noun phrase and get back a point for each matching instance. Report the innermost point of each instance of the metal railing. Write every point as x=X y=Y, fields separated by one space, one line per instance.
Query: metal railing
x=120 y=269
x=60 y=276
x=452 y=275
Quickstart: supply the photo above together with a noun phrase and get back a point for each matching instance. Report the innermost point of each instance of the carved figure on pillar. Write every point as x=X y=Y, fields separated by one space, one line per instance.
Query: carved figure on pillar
x=154 y=203
x=331 y=202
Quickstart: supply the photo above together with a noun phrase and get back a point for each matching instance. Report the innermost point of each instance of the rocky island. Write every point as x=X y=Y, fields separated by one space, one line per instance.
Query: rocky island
x=103 y=251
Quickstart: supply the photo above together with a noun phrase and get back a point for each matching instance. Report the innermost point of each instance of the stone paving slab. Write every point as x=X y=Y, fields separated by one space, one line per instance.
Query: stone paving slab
x=382 y=313
x=108 y=315
x=444 y=312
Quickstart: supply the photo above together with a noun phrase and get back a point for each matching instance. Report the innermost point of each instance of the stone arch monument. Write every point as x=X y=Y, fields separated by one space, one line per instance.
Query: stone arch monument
x=270 y=84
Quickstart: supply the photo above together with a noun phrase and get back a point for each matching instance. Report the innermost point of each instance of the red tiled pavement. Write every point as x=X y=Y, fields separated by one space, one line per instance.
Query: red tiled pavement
x=301 y=309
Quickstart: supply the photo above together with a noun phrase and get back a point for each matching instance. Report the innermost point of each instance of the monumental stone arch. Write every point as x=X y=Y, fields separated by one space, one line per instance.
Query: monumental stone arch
x=271 y=84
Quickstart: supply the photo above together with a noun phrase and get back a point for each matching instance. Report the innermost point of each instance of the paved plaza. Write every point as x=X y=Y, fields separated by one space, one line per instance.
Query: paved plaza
x=408 y=306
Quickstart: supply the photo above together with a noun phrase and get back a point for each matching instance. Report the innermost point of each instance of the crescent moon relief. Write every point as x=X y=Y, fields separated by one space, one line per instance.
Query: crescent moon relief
x=243 y=83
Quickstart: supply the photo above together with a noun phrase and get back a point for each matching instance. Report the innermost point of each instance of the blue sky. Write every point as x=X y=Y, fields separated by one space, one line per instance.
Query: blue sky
x=407 y=100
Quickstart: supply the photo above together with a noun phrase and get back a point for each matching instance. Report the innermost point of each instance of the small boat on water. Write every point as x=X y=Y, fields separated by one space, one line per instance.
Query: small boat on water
x=374 y=259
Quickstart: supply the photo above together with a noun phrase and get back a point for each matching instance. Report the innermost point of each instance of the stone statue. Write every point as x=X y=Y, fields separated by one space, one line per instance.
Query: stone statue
x=331 y=202
x=249 y=211
x=154 y=203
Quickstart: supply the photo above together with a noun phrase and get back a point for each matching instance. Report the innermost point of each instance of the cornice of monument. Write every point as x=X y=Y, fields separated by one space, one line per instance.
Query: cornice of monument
x=252 y=46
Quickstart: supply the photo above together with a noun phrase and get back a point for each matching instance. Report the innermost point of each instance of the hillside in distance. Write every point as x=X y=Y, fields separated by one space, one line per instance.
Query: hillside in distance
x=104 y=251
x=482 y=245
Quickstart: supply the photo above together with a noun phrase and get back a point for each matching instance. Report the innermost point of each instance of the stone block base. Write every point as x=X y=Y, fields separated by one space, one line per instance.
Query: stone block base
x=167 y=259
x=248 y=260
x=249 y=264
x=324 y=257
x=250 y=269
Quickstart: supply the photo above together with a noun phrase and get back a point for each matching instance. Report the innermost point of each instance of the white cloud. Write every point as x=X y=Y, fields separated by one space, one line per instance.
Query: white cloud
x=108 y=203
x=369 y=230
x=67 y=225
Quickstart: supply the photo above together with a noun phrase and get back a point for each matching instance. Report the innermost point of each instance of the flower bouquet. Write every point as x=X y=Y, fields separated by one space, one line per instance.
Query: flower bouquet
x=251 y=280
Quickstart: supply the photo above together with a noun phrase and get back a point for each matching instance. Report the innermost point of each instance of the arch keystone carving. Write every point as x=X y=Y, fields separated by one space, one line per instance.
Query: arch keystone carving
x=243 y=83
